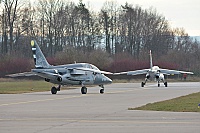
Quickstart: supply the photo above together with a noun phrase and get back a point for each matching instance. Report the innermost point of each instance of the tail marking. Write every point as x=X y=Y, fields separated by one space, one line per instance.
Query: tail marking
x=39 y=59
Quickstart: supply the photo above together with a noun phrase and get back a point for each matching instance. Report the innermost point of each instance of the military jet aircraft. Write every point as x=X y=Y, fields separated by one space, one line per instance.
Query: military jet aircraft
x=70 y=74
x=154 y=73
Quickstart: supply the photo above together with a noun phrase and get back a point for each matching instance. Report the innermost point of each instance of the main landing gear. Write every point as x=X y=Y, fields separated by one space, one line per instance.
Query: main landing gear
x=143 y=83
x=55 y=89
x=165 y=84
x=84 y=89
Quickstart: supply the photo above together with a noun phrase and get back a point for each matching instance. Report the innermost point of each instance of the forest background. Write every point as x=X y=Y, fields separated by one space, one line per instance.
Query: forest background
x=116 y=38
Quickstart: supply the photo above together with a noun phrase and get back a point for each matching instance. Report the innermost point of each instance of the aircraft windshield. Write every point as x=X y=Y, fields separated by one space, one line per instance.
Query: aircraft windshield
x=94 y=67
x=156 y=68
x=91 y=66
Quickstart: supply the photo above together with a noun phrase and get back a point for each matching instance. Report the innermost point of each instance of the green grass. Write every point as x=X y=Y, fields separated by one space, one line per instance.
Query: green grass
x=188 y=103
x=23 y=86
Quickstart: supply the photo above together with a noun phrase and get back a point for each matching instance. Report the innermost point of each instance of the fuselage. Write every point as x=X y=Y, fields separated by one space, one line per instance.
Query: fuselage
x=154 y=74
x=69 y=75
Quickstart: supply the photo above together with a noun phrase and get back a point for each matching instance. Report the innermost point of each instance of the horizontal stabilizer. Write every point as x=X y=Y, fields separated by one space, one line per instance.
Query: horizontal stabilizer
x=21 y=74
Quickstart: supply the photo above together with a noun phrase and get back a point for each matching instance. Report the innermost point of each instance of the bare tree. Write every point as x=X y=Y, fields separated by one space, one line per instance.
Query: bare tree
x=4 y=46
x=47 y=9
x=109 y=20
x=11 y=7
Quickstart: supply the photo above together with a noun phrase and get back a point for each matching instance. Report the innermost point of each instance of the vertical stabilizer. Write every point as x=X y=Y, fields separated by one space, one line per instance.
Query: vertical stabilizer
x=151 y=63
x=39 y=59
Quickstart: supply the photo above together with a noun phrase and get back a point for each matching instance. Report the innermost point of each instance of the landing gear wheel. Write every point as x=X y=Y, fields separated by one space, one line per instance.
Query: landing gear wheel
x=102 y=91
x=84 y=90
x=158 y=85
x=165 y=84
x=142 y=84
x=53 y=90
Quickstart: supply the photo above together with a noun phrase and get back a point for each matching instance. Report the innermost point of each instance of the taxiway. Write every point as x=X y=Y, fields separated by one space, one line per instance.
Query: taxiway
x=71 y=112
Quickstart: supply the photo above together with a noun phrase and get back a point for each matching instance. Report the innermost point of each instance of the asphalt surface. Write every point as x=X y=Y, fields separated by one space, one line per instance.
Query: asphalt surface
x=71 y=112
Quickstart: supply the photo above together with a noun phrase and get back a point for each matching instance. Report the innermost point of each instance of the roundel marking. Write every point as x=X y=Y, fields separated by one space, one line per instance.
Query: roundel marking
x=32 y=43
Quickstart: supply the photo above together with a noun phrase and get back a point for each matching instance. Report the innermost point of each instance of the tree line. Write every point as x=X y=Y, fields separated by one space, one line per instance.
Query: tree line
x=116 y=32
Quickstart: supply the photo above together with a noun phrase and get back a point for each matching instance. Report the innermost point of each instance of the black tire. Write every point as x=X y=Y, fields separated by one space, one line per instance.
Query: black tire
x=53 y=90
x=84 y=90
x=142 y=84
x=158 y=85
x=165 y=84
x=102 y=91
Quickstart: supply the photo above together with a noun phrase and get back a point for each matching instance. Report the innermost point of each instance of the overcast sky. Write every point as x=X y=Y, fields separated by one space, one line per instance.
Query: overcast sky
x=180 y=13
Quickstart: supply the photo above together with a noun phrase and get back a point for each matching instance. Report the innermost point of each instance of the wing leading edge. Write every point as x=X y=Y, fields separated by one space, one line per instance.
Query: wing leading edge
x=24 y=74
x=171 y=72
x=136 y=72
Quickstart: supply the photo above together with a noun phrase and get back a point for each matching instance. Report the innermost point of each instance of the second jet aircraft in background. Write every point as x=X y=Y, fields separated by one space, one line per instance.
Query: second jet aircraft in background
x=154 y=73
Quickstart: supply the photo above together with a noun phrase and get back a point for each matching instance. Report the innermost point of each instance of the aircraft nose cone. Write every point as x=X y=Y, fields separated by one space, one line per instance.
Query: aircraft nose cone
x=108 y=80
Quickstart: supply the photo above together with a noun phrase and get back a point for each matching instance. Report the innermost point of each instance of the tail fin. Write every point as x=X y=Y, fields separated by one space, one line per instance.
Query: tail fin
x=151 y=62
x=39 y=59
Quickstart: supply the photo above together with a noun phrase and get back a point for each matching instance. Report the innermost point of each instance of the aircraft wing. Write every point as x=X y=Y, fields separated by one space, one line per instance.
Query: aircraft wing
x=21 y=74
x=120 y=73
x=136 y=72
x=171 y=72
x=27 y=74
x=92 y=70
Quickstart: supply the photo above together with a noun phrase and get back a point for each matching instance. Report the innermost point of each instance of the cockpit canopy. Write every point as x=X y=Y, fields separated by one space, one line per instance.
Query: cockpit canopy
x=86 y=65
x=155 y=68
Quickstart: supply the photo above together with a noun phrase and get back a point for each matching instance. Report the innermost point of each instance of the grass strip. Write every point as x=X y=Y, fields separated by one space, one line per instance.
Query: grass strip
x=188 y=103
x=23 y=86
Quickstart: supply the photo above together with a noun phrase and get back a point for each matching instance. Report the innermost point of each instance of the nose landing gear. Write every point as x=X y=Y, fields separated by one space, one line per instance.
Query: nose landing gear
x=101 y=90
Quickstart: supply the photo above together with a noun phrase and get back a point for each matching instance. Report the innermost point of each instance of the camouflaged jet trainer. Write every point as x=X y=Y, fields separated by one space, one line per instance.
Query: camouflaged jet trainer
x=70 y=74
